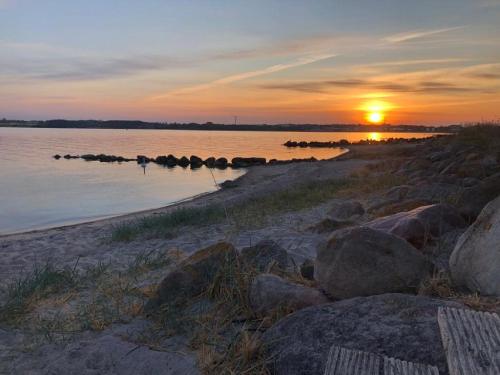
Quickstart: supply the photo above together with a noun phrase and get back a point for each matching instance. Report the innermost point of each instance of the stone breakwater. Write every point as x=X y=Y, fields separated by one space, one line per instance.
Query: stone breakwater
x=344 y=142
x=193 y=161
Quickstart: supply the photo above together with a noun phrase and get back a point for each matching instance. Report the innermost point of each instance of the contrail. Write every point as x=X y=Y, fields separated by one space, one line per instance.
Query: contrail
x=246 y=75
x=398 y=38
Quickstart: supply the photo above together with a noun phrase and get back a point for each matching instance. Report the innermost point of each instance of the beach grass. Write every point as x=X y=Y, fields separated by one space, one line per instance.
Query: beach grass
x=249 y=213
x=165 y=225
x=37 y=284
x=482 y=135
x=256 y=211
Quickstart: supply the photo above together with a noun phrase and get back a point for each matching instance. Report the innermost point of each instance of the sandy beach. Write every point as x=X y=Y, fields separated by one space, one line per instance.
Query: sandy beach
x=95 y=318
x=89 y=242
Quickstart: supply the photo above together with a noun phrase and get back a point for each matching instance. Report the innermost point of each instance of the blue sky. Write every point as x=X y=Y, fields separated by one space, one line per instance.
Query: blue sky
x=266 y=61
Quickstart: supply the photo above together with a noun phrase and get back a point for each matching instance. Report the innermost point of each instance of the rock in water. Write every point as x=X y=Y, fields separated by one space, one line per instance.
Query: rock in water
x=269 y=292
x=195 y=274
x=265 y=254
x=420 y=224
x=346 y=210
x=397 y=325
x=363 y=261
x=195 y=161
x=183 y=162
x=475 y=261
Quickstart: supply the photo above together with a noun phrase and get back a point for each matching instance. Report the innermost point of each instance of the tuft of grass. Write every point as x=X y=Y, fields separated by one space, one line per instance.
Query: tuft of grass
x=39 y=283
x=481 y=135
x=165 y=225
x=440 y=285
x=255 y=212
x=148 y=260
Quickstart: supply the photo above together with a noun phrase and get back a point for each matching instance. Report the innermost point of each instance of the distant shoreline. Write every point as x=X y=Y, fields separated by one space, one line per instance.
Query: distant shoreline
x=126 y=125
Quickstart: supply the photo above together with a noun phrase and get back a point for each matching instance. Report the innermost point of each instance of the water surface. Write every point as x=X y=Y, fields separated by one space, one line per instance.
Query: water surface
x=37 y=191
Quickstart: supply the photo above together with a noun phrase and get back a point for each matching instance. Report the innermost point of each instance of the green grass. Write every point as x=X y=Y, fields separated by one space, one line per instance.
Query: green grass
x=165 y=225
x=256 y=211
x=36 y=285
x=250 y=213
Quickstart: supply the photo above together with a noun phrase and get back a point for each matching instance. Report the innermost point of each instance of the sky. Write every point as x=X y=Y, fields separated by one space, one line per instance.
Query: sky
x=312 y=61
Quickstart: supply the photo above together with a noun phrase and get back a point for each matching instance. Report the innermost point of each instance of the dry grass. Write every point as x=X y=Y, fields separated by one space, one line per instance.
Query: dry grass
x=440 y=285
x=220 y=323
x=57 y=302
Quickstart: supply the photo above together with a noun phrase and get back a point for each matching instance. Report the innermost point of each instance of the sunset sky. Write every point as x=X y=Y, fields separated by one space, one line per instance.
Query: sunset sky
x=412 y=62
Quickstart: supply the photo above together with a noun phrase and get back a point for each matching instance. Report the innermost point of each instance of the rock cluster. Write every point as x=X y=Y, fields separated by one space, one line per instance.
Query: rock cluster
x=193 y=161
x=344 y=142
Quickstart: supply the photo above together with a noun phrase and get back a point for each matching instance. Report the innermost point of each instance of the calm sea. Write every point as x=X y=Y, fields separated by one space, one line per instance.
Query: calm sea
x=37 y=191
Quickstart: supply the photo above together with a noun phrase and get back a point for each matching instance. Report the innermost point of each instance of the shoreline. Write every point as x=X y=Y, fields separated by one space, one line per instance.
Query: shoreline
x=145 y=211
x=90 y=241
x=106 y=217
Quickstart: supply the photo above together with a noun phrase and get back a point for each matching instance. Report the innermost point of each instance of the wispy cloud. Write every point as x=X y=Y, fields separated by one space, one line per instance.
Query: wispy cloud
x=247 y=75
x=418 y=34
x=326 y=86
x=417 y=62
x=84 y=69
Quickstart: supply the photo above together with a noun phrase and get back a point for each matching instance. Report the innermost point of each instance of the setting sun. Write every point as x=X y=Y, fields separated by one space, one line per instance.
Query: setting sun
x=375 y=117
x=375 y=111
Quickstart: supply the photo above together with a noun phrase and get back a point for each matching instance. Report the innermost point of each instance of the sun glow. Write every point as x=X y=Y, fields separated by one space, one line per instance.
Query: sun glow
x=375 y=117
x=375 y=111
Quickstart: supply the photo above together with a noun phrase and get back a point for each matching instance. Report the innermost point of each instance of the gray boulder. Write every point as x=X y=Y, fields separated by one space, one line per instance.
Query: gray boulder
x=363 y=261
x=396 y=325
x=265 y=254
x=473 y=199
x=195 y=274
x=269 y=292
x=420 y=224
x=346 y=210
x=475 y=261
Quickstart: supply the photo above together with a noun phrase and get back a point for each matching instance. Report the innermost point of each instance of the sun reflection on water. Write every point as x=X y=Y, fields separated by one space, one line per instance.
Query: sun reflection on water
x=374 y=136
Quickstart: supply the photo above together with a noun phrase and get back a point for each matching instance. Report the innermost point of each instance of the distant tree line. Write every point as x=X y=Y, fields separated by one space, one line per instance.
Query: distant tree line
x=128 y=124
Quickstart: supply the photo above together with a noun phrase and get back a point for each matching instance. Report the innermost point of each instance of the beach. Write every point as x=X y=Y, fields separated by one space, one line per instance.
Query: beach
x=111 y=268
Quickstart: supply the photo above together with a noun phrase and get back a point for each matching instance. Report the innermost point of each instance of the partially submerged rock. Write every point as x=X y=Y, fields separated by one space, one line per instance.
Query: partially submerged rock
x=475 y=261
x=363 y=261
x=420 y=224
x=195 y=274
x=265 y=254
x=396 y=325
x=270 y=292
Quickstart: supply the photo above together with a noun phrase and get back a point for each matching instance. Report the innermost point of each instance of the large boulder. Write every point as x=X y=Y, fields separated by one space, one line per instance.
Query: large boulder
x=265 y=254
x=475 y=261
x=270 y=292
x=346 y=210
x=363 y=261
x=420 y=224
x=193 y=276
x=397 y=325
x=473 y=199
